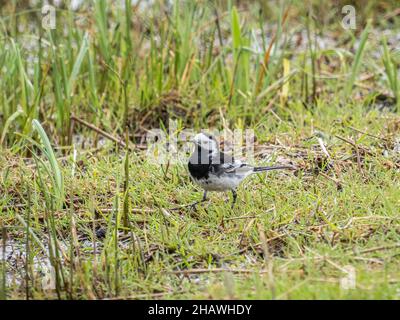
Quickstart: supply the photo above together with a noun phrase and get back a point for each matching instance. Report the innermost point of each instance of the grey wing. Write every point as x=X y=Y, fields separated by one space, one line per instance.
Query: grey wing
x=228 y=165
x=237 y=167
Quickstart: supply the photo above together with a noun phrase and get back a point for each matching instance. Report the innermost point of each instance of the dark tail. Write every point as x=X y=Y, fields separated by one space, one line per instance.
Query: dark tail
x=260 y=169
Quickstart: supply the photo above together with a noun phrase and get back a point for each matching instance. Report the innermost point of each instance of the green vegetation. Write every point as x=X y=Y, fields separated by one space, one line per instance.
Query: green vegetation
x=85 y=215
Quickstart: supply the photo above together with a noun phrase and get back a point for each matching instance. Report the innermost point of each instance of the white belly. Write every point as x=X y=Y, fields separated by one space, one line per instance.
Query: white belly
x=222 y=183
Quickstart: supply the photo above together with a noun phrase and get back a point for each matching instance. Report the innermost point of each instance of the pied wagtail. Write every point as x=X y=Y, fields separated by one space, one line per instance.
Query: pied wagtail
x=216 y=171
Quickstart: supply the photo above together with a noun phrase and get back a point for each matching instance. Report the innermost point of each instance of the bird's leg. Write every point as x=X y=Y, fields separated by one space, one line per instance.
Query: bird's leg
x=193 y=205
x=234 y=197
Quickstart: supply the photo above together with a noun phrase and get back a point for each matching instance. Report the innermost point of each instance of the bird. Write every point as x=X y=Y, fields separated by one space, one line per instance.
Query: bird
x=214 y=170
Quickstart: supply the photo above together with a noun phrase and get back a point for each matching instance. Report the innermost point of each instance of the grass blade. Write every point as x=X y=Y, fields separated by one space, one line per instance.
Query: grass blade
x=55 y=169
x=357 y=61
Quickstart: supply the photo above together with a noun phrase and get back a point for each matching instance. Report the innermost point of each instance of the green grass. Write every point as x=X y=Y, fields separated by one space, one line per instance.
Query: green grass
x=291 y=236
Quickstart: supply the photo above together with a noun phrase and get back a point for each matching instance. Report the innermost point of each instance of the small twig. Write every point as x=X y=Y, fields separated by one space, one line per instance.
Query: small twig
x=346 y=140
x=242 y=217
x=17 y=205
x=323 y=148
x=354 y=145
x=270 y=104
x=392 y=14
x=334 y=264
x=147 y=295
x=396 y=245
x=217 y=270
x=370 y=260
x=245 y=229
x=337 y=182
x=355 y=148
x=368 y=134
x=99 y=131
x=136 y=210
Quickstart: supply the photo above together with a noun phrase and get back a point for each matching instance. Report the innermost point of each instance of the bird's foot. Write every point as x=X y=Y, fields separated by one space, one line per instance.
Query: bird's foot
x=193 y=206
x=190 y=206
